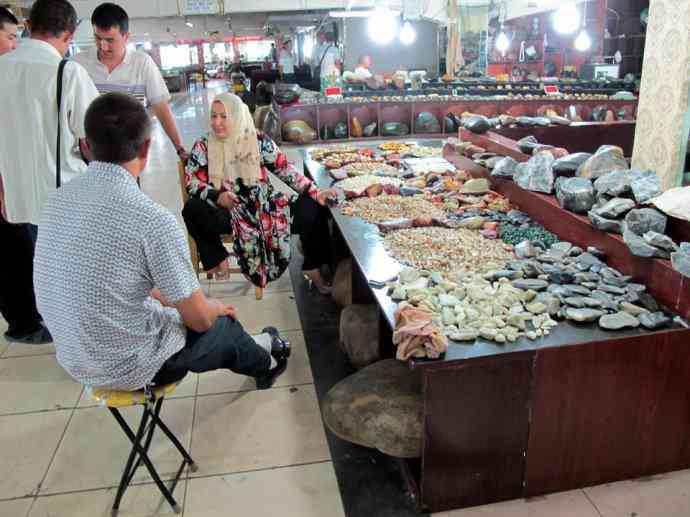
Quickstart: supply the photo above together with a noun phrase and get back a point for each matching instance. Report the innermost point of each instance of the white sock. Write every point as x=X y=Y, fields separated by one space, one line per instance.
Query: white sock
x=264 y=341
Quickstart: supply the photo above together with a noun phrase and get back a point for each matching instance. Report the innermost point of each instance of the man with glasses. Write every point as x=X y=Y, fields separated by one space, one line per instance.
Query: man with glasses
x=114 y=68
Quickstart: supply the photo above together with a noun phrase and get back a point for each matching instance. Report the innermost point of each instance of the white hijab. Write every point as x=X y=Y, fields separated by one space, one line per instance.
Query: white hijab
x=237 y=155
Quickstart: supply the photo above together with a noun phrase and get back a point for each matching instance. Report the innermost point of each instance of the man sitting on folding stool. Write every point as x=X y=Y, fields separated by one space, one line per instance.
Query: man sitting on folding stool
x=114 y=281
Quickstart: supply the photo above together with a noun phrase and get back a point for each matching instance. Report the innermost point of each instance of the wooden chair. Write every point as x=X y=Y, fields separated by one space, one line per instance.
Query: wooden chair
x=193 y=251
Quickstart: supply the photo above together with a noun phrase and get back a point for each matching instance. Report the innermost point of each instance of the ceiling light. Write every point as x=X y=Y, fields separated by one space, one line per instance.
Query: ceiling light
x=566 y=19
x=383 y=26
x=502 y=42
x=583 y=42
x=188 y=23
x=407 y=34
x=147 y=45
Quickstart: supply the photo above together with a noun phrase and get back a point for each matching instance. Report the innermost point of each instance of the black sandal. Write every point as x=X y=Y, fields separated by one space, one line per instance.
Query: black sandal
x=39 y=337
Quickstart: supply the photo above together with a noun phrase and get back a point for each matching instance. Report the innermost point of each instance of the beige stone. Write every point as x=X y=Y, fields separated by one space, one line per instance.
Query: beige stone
x=379 y=407
x=359 y=334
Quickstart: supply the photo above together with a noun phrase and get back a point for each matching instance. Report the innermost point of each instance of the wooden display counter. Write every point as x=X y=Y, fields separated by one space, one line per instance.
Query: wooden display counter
x=381 y=112
x=580 y=407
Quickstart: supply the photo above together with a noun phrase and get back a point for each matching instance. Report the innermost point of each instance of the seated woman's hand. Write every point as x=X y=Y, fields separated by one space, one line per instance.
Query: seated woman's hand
x=325 y=195
x=227 y=200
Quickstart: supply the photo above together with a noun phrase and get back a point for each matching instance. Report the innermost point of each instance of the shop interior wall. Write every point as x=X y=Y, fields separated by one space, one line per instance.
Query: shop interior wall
x=423 y=54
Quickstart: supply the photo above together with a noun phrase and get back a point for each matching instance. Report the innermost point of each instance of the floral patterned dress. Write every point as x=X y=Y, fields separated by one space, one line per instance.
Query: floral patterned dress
x=262 y=219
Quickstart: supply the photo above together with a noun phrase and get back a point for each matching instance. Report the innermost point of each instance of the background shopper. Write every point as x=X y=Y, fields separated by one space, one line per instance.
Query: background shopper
x=113 y=68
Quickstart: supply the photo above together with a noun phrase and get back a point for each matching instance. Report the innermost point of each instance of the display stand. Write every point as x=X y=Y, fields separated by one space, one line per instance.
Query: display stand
x=580 y=407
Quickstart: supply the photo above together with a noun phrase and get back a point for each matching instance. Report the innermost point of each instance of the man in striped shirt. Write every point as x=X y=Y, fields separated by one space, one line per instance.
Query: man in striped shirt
x=113 y=68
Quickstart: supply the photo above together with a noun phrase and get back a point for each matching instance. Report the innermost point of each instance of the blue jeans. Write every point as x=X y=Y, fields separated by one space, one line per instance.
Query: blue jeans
x=224 y=345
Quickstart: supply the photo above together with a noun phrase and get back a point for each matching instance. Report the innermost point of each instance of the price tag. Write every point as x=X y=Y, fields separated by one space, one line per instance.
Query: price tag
x=333 y=90
x=551 y=89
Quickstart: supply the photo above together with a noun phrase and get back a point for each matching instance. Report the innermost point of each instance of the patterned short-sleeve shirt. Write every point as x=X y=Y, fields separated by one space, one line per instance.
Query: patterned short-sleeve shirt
x=103 y=245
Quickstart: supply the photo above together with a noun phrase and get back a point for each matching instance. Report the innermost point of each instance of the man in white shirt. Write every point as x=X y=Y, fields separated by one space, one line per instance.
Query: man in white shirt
x=286 y=62
x=113 y=68
x=330 y=58
x=28 y=147
x=362 y=71
x=316 y=54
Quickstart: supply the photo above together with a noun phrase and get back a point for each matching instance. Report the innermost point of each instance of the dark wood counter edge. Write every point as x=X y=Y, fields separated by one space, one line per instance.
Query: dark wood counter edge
x=566 y=334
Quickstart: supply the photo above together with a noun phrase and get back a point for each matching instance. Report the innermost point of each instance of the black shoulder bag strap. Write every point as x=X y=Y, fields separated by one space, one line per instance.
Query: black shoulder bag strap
x=323 y=56
x=61 y=70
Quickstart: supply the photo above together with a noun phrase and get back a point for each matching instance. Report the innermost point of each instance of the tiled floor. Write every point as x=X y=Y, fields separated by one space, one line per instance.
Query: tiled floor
x=259 y=453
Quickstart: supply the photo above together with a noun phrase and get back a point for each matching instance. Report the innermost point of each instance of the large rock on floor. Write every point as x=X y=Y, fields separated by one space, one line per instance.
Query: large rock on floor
x=359 y=334
x=379 y=407
x=342 y=284
x=536 y=174
x=606 y=159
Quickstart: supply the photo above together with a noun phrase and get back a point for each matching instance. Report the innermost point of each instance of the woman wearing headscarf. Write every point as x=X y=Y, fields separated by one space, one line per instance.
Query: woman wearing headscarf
x=230 y=193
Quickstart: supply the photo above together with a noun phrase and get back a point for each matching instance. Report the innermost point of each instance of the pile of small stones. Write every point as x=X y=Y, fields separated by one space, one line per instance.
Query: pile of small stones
x=577 y=285
x=528 y=296
x=360 y=184
x=386 y=208
x=446 y=250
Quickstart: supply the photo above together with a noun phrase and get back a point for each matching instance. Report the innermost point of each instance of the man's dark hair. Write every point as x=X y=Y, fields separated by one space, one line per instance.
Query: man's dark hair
x=108 y=15
x=52 y=17
x=7 y=17
x=117 y=125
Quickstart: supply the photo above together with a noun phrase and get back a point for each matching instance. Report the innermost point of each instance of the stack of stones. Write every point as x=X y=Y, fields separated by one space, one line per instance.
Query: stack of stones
x=529 y=296
x=577 y=285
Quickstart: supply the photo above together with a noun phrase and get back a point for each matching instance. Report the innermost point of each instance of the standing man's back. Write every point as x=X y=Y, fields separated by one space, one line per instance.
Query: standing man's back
x=28 y=102
x=28 y=149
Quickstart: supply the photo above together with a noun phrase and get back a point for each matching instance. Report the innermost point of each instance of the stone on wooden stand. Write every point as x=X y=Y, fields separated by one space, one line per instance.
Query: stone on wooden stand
x=379 y=407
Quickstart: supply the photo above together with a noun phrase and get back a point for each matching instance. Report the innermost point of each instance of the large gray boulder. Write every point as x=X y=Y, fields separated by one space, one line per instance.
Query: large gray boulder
x=645 y=220
x=645 y=186
x=359 y=334
x=575 y=194
x=568 y=165
x=380 y=407
x=536 y=174
x=606 y=159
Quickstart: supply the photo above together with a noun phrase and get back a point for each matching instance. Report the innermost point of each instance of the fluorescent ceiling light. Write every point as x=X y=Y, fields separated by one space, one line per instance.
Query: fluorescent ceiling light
x=383 y=26
x=407 y=34
x=566 y=19
x=583 y=42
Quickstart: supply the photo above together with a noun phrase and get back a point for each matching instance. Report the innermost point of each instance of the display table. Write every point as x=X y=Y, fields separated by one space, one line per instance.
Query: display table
x=580 y=407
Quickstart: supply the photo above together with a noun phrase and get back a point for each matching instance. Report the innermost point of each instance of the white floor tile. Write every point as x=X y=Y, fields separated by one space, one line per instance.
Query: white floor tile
x=304 y=491
x=258 y=429
x=36 y=384
x=27 y=443
x=16 y=508
x=565 y=504
x=277 y=310
x=666 y=495
x=138 y=501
